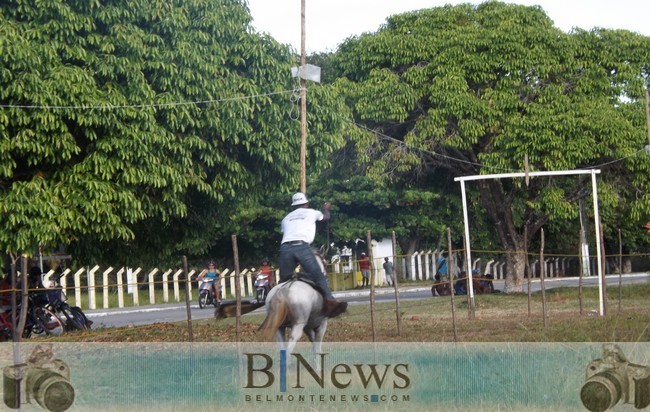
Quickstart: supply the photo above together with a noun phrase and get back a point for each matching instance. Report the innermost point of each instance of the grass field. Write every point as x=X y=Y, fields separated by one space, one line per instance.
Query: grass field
x=498 y=318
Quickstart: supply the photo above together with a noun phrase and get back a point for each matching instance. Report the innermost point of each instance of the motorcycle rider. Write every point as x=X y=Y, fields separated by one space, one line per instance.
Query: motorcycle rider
x=267 y=270
x=212 y=275
x=299 y=230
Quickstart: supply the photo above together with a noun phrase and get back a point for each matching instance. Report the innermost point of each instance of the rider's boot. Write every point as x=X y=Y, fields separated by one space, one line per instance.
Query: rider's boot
x=333 y=308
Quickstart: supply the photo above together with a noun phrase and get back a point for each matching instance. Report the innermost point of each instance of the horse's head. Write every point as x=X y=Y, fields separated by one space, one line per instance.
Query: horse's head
x=320 y=258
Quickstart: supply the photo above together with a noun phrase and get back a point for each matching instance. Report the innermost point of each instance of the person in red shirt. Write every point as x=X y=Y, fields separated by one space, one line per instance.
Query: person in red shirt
x=266 y=269
x=364 y=266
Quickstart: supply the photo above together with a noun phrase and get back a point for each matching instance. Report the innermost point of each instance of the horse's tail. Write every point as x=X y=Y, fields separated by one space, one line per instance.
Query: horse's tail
x=277 y=315
x=229 y=310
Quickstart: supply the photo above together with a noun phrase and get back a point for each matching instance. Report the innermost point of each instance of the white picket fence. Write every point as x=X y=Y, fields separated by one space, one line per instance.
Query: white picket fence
x=124 y=283
x=91 y=282
x=423 y=266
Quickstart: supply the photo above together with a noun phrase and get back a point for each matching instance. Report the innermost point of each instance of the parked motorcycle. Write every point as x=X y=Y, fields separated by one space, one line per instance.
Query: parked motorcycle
x=262 y=286
x=206 y=295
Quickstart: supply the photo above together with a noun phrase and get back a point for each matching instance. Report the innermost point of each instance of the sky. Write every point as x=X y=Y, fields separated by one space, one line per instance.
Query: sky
x=329 y=22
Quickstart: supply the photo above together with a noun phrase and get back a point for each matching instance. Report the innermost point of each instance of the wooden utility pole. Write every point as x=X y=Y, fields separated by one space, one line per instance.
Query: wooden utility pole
x=647 y=112
x=303 y=103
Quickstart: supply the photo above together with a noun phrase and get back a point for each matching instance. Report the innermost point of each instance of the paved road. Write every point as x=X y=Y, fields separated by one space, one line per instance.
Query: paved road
x=176 y=312
x=145 y=315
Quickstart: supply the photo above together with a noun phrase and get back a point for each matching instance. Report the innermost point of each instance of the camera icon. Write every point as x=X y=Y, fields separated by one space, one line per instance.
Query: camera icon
x=48 y=384
x=612 y=380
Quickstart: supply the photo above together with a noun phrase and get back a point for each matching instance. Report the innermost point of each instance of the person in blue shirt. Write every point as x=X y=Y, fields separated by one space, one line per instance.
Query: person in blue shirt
x=212 y=275
x=441 y=274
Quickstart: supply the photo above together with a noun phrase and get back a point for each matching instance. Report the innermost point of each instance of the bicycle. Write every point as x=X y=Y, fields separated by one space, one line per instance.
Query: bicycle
x=72 y=317
x=39 y=320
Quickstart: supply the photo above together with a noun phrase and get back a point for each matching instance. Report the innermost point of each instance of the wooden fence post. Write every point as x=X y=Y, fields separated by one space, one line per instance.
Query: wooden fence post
x=620 y=270
x=580 y=275
x=397 y=307
x=372 y=288
x=24 y=301
x=235 y=252
x=450 y=271
x=542 y=275
x=188 y=310
x=530 y=273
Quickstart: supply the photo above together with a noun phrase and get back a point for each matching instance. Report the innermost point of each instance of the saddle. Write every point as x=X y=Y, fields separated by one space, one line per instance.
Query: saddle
x=302 y=277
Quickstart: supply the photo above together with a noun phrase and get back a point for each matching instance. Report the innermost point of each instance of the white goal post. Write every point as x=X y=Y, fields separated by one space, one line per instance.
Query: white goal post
x=468 y=251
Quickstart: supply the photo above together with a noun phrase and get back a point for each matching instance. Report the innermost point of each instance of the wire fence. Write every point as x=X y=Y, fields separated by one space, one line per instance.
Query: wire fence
x=94 y=287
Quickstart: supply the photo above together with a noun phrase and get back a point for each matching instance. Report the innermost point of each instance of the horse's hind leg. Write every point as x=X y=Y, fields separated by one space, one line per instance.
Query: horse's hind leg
x=317 y=335
x=280 y=337
x=294 y=336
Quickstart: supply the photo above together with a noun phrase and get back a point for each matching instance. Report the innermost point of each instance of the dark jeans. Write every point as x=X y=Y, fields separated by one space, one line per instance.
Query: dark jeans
x=294 y=253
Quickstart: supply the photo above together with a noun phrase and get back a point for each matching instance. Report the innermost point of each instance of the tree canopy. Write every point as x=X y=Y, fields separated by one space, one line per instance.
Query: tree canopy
x=148 y=129
x=464 y=90
x=143 y=124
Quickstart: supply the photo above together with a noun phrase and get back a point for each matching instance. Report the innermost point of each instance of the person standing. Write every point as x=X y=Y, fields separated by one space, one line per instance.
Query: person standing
x=298 y=232
x=441 y=274
x=364 y=267
x=389 y=272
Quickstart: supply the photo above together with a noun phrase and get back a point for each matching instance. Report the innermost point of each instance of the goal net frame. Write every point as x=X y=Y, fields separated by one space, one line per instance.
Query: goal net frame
x=526 y=175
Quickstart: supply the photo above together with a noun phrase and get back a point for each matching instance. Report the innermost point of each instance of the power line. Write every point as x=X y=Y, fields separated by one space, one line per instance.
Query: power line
x=141 y=106
x=293 y=93
x=402 y=143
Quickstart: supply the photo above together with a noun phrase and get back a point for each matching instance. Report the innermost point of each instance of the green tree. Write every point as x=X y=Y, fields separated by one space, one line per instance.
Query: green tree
x=464 y=90
x=143 y=126
x=417 y=213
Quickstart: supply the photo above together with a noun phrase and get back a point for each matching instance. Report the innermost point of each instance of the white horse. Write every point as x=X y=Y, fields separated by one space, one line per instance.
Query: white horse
x=297 y=306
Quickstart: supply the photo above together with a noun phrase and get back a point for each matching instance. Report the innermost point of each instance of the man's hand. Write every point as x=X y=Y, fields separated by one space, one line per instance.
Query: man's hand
x=327 y=206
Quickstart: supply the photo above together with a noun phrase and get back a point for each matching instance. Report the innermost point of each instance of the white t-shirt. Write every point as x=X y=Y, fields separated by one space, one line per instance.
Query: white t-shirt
x=300 y=225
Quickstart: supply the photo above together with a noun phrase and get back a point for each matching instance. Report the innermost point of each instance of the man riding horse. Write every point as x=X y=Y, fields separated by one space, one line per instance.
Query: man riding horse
x=299 y=229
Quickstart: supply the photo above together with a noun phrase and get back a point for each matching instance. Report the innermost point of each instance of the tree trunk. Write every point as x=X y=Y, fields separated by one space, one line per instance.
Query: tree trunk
x=499 y=209
x=627 y=264
x=515 y=269
x=410 y=245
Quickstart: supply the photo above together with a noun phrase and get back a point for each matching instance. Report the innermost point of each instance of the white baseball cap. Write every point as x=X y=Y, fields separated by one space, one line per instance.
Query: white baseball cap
x=299 y=199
